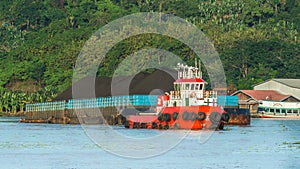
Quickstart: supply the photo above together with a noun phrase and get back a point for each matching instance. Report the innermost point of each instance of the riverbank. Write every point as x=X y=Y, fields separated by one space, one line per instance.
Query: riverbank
x=7 y=114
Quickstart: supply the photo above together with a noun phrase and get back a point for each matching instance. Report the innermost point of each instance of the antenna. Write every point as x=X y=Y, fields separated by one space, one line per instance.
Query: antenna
x=200 y=72
x=196 y=71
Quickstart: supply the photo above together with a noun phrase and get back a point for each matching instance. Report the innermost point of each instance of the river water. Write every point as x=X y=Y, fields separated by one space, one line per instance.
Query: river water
x=264 y=144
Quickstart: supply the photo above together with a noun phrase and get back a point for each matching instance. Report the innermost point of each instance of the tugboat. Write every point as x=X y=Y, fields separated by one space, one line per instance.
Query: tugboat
x=188 y=106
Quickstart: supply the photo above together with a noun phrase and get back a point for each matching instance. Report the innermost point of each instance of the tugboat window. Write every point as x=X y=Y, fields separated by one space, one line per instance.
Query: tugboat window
x=192 y=86
x=187 y=86
x=176 y=87
x=197 y=87
x=201 y=86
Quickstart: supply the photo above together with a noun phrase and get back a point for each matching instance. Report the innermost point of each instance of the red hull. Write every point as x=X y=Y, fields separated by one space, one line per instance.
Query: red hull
x=186 y=117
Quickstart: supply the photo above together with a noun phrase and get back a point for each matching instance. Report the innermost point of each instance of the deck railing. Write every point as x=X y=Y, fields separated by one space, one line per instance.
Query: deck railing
x=114 y=101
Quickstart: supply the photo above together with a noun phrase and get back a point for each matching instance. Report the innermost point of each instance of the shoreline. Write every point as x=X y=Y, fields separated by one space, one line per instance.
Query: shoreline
x=4 y=114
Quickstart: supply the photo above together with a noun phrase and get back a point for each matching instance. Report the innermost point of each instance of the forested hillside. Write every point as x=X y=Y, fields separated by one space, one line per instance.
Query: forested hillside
x=40 y=40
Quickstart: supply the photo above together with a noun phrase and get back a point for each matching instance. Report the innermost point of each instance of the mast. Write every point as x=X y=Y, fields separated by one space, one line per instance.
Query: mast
x=196 y=71
x=200 y=72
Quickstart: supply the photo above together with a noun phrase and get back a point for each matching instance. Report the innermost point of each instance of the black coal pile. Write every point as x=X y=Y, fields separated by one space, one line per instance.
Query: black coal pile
x=157 y=82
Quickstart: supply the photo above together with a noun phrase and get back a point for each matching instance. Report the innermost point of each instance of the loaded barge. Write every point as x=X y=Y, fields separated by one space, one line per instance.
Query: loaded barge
x=187 y=106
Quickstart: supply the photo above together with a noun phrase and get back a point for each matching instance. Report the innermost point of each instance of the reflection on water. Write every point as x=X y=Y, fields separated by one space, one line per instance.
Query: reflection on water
x=265 y=144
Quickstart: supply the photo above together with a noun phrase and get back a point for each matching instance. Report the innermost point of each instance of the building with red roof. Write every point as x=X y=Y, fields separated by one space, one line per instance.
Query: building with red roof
x=251 y=98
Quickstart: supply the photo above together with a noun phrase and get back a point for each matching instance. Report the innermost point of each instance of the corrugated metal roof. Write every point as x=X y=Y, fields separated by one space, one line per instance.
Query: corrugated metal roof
x=289 y=82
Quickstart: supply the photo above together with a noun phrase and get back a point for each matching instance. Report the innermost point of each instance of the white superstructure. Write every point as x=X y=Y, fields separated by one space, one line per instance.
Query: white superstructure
x=189 y=90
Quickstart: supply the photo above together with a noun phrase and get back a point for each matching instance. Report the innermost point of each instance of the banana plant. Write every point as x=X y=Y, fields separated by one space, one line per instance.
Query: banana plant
x=22 y=101
x=6 y=103
x=2 y=90
x=14 y=102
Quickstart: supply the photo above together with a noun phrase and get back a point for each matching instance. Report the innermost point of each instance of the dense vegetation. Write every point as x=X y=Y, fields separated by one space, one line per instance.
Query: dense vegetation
x=40 y=40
